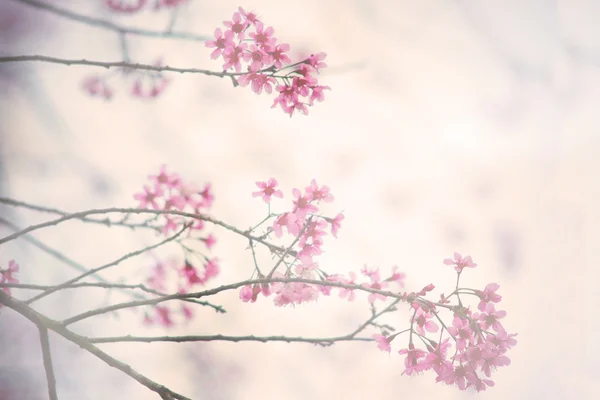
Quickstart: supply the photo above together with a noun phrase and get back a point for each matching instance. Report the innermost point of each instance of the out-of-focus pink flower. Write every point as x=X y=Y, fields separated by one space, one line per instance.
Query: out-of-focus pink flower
x=268 y=189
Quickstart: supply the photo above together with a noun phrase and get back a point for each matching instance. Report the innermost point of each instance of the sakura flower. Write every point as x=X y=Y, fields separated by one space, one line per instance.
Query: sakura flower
x=412 y=360
x=268 y=189
x=460 y=262
x=149 y=197
x=316 y=193
x=488 y=295
x=221 y=43
x=424 y=322
x=383 y=342
x=336 y=224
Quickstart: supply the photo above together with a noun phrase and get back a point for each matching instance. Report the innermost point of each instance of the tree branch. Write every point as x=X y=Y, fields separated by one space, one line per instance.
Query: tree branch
x=178 y=296
x=107 y=25
x=45 y=341
x=41 y=320
x=117 y=64
x=210 y=338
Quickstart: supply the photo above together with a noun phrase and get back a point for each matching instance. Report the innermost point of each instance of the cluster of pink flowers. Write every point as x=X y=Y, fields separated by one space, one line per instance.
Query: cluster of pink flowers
x=8 y=276
x=168 y=191
x=143 y=84
x=303 y=222
x=248 y=45
x=479 y=338
x=133 y=6
x=173 y=276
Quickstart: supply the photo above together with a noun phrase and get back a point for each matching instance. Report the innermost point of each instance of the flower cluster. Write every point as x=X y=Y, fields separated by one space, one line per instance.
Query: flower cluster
x=250 y=48
x=8 y=276
x=308 y=230
x=168 y=191
x=173 y=276
x=480 y=340
x=133 y=6
x=143 y=84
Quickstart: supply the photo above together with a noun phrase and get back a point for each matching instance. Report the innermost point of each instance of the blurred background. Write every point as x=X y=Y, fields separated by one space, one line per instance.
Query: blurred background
x=451 y=126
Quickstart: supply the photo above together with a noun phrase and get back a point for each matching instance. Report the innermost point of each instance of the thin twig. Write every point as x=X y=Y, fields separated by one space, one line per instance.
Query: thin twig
x=110 y=25
x=108 y=285
x=41 y=320
x=51 y=380
x=105 y=266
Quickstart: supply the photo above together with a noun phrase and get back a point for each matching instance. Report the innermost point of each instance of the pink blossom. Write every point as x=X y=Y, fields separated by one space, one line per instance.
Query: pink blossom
x=288 y=221
x=412 y=360
x=234 y=56
x=211 y=269
x=171 y=181
x=316 y=193
x=336 y=224
x=209 y=241
x=459 y=262
x=383 y=342
x=149 y=197
x=263 y=37
x=258 y=82
x=237 y=26
x=397 y=277
x=278 y=55
x=488 y=295
x=489 y=318
x=249 y=17
x=461 y=331
x=268 y=189
x=316 y=61
x=127 y=6
x=424 y=322
x=221 y=43
x=96 y=86
x=302 y=204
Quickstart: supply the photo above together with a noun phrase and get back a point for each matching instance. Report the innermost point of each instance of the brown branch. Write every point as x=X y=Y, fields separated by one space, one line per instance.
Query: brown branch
x=224 y=338
x=103 y=24
x=51 y=380
x=117 y=64
x=105 y=266
x=41 y=320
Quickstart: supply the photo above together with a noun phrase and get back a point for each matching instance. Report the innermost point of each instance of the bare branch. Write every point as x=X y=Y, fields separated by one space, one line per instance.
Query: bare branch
x=103 y=24
x=117 y=64
x=41 y=320
x=211 y=338
x=51 y=380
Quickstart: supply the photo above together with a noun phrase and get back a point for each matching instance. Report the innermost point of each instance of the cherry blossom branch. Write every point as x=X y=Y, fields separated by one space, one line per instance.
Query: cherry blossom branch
x=51 y=380
x=118 y=64
x=83 y=214
x=107 y=285
x=178 y=296
x=224 y=338
x=41 y=320
x=107 y=25
x=105 y=266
